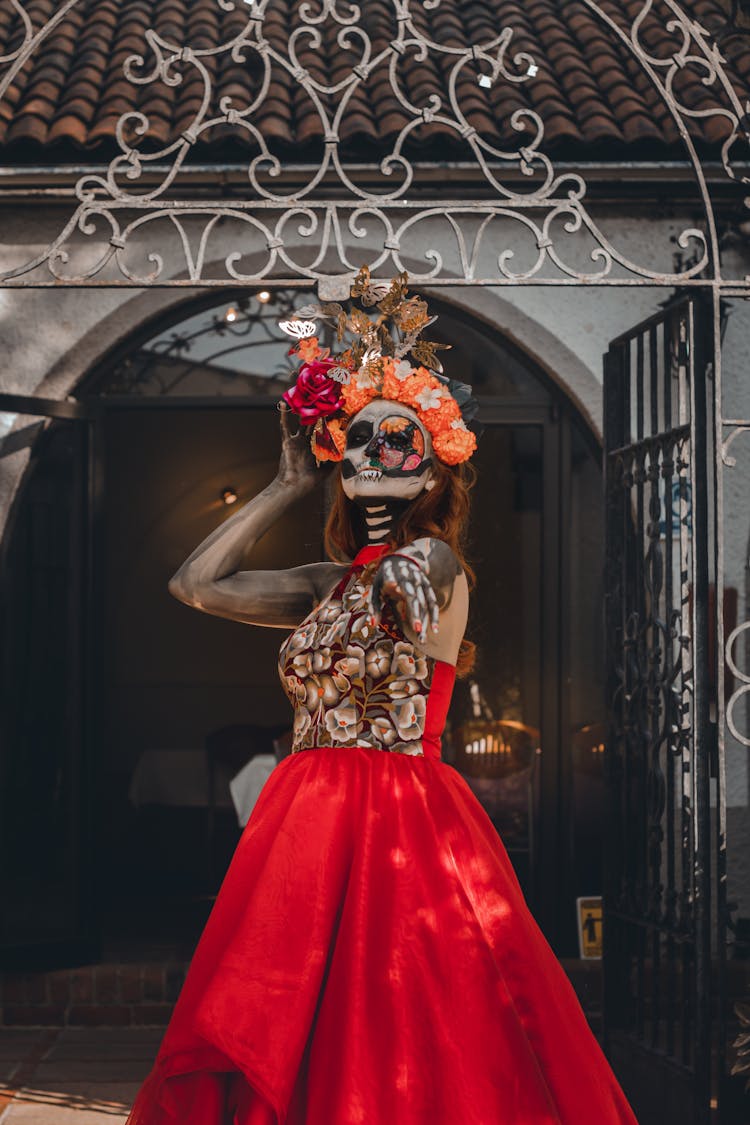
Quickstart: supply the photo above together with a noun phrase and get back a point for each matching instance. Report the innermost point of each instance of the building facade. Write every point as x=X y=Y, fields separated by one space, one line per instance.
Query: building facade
x=566 y=184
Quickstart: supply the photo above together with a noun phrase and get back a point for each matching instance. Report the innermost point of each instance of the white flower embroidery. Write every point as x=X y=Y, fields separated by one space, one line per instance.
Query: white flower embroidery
x=328 y=613
x=415 y=749
x=321 y=659
x=321 y=691
x=341 y=722
x=302 y=723
x=355 y=598
x=430 y=398
x=382 y=730
x=409 y=718
x=353 y=664
x=403 y=689
x=362 y=630
x=302 y=664
x=295 y=688
x=329 y=634
x=378 y=659
x=406 y=663
x=458 y=424
x=403 y=370
x=301 y=638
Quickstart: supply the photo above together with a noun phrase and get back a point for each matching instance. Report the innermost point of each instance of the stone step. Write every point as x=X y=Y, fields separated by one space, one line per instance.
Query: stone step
x=111 y=995
x=130 y=994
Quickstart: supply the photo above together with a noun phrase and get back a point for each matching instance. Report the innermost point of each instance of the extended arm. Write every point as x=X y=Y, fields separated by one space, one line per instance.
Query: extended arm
x=209 y=579
x=427 y=590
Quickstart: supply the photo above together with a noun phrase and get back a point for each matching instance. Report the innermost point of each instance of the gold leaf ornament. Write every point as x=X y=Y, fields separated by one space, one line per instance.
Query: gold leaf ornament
x=413 y=316
x=395 y=296
x=425 y=351
x=359 y=322
x=361 y=282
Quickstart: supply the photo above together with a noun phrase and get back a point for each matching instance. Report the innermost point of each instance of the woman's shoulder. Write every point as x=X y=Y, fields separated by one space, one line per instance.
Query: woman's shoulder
x=436 y=557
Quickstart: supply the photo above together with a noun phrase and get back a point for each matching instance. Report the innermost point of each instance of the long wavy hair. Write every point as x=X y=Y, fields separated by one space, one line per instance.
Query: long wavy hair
x=441 y=512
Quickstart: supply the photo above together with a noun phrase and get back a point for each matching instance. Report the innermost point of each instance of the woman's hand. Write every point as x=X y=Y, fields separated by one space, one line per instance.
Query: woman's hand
x=297 y=465
x=402 y=583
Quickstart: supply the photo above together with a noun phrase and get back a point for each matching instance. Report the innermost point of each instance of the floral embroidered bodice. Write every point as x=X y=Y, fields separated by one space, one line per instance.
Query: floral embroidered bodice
x=354 y=684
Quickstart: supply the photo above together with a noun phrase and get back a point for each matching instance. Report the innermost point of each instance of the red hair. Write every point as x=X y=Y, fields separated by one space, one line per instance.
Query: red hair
x=441 y=512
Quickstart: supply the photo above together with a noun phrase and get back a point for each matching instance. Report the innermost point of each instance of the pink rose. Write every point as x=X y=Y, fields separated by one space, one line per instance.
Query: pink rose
x=314 y=395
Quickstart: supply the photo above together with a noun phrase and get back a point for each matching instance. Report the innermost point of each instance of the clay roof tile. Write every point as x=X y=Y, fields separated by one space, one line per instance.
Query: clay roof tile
x=589 y=87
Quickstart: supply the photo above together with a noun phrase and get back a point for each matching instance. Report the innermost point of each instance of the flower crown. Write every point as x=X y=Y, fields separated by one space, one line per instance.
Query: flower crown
x=330 y=389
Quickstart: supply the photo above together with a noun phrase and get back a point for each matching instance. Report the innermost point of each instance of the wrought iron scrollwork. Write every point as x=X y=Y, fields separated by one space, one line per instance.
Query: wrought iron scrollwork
x=318 y=229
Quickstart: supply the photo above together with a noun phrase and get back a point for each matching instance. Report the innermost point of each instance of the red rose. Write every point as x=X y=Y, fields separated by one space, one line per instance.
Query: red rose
x=314 y=395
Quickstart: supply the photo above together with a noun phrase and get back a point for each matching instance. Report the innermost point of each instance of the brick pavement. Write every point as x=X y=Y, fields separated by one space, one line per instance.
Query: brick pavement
x=72 y=1075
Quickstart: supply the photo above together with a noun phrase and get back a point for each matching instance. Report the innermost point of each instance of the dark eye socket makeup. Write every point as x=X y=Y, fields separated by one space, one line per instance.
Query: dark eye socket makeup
x=401 y=440
x=358 y=434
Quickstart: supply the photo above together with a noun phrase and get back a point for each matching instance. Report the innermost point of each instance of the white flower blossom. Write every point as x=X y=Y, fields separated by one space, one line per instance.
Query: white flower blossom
x=430 y=398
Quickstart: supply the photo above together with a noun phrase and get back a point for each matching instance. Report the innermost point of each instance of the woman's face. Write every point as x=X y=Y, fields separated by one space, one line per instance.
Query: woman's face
x=388 y=454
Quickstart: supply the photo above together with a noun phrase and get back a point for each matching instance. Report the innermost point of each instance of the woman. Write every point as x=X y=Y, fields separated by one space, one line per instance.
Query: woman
x=370 y=958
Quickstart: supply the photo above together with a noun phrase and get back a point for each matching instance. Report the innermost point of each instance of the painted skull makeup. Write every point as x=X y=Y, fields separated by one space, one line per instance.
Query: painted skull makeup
x=388 y=454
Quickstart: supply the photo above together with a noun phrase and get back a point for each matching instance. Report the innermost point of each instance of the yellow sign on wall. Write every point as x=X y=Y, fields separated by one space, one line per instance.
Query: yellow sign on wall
x=590 y=922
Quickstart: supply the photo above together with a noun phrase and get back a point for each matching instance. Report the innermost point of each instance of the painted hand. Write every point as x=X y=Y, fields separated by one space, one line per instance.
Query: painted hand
x=297 y=465
x=402 y=584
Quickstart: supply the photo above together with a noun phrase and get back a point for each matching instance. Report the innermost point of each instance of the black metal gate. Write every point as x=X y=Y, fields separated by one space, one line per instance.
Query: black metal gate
x=657 y=950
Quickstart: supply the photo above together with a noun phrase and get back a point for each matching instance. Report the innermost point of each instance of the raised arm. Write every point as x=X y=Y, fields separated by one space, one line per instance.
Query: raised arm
x=209 y=579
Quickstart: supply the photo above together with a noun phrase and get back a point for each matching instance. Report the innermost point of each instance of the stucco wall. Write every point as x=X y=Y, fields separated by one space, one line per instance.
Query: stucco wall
x=51 y=338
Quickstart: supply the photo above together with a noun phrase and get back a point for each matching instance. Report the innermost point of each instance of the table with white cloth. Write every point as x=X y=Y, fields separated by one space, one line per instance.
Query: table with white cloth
x=181 y=778
x=246 y=785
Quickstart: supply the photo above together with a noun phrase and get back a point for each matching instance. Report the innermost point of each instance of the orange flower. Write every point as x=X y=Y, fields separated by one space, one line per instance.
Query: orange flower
x=438 y=418
x=337 y=430
x=355 y=397
x=328 y=439
x=453 y=446
x=394 y=425
x=407 y=390
x=309 y=349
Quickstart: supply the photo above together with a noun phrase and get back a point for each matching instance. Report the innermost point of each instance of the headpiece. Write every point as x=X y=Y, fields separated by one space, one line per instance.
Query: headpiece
x=330 y=388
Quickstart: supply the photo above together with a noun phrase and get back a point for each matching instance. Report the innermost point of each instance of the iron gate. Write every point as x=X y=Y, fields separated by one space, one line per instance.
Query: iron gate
x=660 y=751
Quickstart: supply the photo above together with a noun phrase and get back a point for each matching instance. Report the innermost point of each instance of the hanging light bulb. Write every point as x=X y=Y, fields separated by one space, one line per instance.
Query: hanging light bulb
x=264 y=296
x=230 y=315
x=229 y=494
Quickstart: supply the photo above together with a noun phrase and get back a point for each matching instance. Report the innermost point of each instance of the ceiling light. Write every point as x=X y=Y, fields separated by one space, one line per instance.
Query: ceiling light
x=229 y=494
x=264 y=296
x=230 y=315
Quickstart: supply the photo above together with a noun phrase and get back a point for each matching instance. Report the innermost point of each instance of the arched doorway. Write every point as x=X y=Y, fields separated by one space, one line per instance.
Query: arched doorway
x=185 y=420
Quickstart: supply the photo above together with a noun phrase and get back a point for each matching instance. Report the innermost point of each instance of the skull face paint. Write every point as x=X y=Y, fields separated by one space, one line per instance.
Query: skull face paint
x=388 y=454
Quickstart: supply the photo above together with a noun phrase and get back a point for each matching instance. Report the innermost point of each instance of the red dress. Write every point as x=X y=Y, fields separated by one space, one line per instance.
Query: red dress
x=370 y=958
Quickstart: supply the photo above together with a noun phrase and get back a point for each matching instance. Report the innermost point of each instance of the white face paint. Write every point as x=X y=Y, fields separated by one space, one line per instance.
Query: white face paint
x=388 y=454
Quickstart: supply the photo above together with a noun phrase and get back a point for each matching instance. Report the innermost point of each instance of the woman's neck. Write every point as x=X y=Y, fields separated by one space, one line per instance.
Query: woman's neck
x=379 y=521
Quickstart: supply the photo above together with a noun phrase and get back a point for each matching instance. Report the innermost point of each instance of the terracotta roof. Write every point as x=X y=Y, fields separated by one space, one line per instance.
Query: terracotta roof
x=589 y=89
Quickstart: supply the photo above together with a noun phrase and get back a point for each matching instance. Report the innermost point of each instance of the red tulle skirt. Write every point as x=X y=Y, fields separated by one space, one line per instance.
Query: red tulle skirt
x=370 y=960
